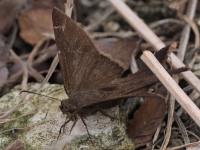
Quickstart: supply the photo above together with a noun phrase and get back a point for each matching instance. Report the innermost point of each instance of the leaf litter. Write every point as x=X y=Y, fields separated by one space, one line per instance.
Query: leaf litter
x=32 y=26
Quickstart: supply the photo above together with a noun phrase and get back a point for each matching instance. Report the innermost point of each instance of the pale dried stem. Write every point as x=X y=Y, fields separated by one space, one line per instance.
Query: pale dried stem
x=186 y=145
x=24 y=68
x=31 y=57
x=150 y=37
x=195 y=29
x=170 y=120
x=99 y=21
x=186 y=31
x=182 y=128
x=150 y=60
x=35 y=51
x=51 y=70
x=181 y=53
x=121 y=34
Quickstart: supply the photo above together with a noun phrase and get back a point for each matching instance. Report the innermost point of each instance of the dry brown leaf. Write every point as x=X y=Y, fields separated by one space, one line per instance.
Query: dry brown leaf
x=120 y=49
x=36 y=21
x=146 y=120
x=9 y=10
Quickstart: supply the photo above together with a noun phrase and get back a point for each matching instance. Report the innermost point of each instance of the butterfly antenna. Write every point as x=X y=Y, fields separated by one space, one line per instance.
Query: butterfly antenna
x=89 y=135
x=38 y=94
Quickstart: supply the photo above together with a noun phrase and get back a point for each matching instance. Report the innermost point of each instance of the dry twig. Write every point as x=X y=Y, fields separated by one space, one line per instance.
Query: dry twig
x=150 y=60
x=181 y=53
x=186 y=145
x=150 y=37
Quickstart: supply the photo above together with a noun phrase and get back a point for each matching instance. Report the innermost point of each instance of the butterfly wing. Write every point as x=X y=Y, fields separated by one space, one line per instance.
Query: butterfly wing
x=83 y=67
x=136 y=84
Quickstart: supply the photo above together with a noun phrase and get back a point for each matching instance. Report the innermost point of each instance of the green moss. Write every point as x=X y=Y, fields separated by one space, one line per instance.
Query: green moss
x=115 y=139
x=15 y=126
x=45 y=119
x=17 y=121
x=12 y=130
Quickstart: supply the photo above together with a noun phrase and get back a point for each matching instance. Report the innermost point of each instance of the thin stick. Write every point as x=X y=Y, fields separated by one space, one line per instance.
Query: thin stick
x=137 y=23
x=51 y=70
x=185 y=145
x=193 y=26
x=191 y=8
x=150 y=60
x=186 y=31
x=170 y=120
x=182 y=128
x=150 y=37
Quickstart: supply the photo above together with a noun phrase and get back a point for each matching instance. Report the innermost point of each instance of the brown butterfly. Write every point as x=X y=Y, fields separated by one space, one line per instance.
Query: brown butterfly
x=91 y=77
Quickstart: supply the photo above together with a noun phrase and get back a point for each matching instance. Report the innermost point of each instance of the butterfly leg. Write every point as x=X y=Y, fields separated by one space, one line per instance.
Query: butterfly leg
x=87 y=130
x=74 y=123
x=62 y=127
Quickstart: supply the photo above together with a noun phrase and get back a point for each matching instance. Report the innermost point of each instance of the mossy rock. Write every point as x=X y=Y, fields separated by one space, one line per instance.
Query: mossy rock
x=37 y=123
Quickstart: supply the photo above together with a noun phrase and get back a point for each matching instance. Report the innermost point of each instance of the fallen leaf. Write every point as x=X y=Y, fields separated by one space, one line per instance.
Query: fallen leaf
x=9 y=10
x=37 y=20
x=120 y=49
x=146 y=120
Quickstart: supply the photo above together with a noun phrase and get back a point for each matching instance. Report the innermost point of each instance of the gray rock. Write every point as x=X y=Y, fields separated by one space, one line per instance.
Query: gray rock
x=37 y=123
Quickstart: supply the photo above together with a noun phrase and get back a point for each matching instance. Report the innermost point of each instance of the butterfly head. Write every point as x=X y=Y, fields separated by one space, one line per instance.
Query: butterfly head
x=68 y=108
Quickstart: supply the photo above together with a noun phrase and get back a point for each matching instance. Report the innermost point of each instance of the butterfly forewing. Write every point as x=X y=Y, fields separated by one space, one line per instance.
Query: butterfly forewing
x=83 y=67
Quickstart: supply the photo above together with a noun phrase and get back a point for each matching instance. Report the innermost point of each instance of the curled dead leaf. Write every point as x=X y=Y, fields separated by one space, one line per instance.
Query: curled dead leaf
x=146 y=120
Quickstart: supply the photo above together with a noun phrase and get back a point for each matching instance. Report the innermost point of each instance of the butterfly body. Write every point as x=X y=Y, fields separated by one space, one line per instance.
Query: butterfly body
x=91 y=78
x=85 y=102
